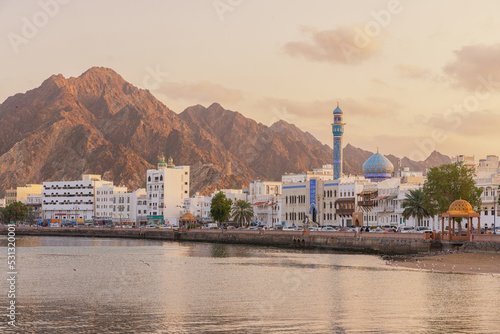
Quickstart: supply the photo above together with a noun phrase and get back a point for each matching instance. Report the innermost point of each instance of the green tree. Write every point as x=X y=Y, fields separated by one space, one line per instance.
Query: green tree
x=447 y=183
x=414 y=206
x=2 y=217
x=242 y=212
x=220 y=208
x=16 y=212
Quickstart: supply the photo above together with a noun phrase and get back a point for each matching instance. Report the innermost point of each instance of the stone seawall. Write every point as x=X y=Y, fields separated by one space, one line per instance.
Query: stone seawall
x=337 y=241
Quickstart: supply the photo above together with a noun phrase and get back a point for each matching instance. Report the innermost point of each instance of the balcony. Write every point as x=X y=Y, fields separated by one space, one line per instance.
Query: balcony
x=366 y=203
x=344 y=212
x=488 y=199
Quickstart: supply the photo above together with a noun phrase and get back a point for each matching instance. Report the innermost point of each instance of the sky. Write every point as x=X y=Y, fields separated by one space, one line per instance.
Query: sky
x=410 y=76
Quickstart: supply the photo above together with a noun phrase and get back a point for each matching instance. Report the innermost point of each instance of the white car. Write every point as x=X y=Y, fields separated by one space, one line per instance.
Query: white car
x=423 y=229
x=328 y=228
x=289 y=228
x=407 y=229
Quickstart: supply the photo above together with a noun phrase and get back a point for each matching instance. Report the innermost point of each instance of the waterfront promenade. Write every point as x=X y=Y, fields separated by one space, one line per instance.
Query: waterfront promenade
x=382 y=243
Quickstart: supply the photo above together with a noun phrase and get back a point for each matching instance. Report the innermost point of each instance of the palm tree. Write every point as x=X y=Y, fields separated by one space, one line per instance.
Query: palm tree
x=242 y=211
x=414 y=206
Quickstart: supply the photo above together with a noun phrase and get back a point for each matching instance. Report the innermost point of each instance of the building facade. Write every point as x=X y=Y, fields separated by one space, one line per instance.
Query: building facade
x=265 y=197
x=104 y=201
x=19 y=194
x=70 y=201
x=129 y=207
x=167 y=187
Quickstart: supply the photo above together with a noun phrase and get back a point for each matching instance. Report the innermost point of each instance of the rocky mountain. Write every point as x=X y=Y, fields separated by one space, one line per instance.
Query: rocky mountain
x=98 y=123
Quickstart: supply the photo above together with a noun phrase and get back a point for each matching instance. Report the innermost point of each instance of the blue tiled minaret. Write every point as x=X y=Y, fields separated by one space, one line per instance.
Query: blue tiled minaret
x=338 y=131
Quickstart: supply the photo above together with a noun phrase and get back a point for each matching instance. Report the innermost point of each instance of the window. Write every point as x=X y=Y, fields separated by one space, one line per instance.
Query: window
x=149 y=178
x=485 y=211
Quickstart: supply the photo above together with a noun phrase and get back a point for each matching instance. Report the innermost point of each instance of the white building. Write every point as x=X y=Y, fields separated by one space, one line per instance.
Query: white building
x=127 y=207
x=265 y=196
x=104 y=200
x=166 y=189
x=2 y=202
x=323 y=173
x=488 y=179
x=70 y=200
x=34 y=203
x=142 y=207
x=198 y=206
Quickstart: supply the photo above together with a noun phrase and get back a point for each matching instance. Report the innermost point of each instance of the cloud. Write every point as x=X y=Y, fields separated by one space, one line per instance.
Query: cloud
x=298 y=111
x=380 y=82
x=344 y=45
x=473 y=62
x=482 y=123
x=413 y=71
x=200 y=92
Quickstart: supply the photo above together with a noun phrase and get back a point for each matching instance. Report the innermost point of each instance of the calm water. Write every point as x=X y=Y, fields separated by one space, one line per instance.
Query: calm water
x=83 y=285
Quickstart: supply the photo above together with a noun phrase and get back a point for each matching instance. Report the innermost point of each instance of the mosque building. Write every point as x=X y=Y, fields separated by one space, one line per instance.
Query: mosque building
x=327 y=197
x=378 y=168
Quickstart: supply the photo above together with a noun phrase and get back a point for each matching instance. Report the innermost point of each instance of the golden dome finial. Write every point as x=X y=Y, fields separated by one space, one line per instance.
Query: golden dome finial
x=377 y=149
x=338 y=104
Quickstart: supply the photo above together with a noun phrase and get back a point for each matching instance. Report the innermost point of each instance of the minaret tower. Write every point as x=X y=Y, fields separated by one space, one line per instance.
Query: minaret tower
x=338 y=131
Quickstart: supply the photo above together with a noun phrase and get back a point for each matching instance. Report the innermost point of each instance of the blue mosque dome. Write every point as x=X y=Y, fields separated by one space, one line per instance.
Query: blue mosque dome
x=378 y=167
x=337 y=110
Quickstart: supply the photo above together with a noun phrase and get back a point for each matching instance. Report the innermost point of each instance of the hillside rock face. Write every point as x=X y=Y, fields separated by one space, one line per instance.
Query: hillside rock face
x=98 y=123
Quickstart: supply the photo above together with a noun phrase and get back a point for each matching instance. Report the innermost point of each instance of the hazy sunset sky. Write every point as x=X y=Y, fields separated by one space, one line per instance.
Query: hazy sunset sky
x=410 y=76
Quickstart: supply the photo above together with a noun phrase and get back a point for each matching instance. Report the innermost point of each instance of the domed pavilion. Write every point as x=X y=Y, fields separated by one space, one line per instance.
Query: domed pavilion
x=378 y=168
x=459 y=209
x=186 y=220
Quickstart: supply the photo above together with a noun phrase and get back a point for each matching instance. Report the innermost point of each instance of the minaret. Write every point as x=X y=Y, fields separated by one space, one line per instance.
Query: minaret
x=338 y=131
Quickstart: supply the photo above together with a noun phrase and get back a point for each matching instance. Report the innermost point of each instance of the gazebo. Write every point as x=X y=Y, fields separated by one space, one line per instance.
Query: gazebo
x=459 y=209
x=186 y=219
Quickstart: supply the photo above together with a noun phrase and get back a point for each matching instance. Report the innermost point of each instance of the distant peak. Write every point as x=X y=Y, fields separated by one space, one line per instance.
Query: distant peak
x=281 y=123
x=100 y=71
x=57 y=80
x=215 y=106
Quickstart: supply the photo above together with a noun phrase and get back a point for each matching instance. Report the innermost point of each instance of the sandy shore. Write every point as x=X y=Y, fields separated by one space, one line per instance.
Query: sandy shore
x=477 y=263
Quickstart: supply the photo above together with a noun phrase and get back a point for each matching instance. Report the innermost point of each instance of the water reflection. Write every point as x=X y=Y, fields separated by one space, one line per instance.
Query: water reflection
x=85 y=285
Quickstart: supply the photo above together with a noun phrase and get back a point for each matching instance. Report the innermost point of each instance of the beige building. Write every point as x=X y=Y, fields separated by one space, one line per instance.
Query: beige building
x=19 y=194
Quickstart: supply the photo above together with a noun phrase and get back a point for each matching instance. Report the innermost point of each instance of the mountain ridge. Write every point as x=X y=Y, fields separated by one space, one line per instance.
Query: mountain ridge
x=98 y=123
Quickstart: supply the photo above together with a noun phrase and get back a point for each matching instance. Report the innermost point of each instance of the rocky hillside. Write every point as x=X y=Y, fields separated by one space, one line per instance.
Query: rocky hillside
x=98 y=123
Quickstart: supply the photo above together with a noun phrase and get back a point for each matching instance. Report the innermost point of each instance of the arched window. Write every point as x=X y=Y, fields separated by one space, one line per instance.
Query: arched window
x=161 y=177
x=149 y=178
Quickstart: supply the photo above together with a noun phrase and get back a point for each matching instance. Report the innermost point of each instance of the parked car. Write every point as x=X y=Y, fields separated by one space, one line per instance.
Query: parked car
x=313 y=229
x=407 y=229
x=423 y=229
x=328 y=228
x=289 y=228
x=152 y=226
x=377 y=229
